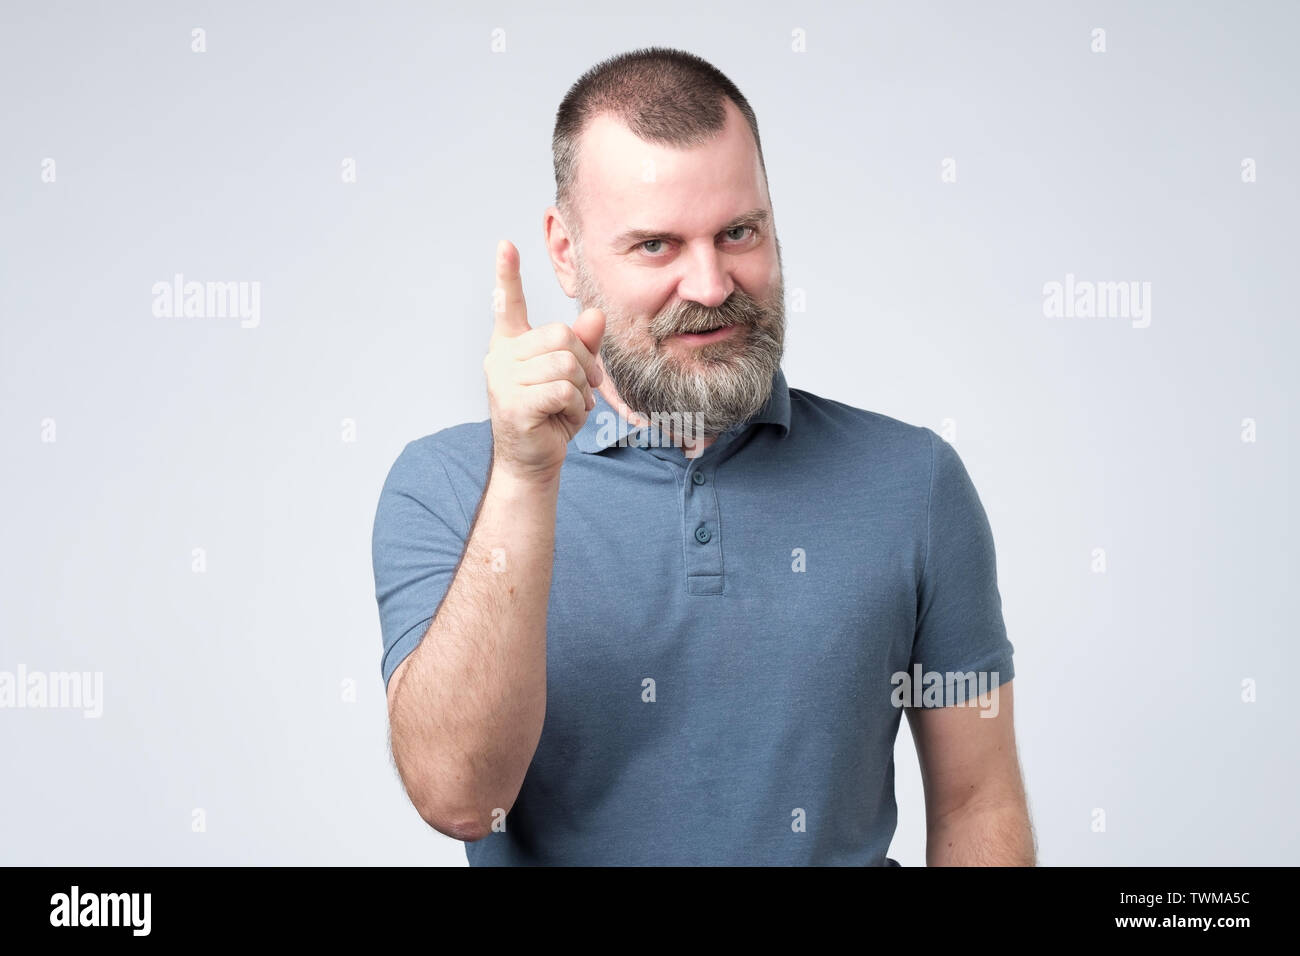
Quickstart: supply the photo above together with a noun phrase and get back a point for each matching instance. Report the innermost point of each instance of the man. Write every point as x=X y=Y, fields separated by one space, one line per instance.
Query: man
x=660 y=608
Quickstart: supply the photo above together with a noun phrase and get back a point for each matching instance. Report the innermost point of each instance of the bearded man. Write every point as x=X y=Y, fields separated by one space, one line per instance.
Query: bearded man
x=657 y=608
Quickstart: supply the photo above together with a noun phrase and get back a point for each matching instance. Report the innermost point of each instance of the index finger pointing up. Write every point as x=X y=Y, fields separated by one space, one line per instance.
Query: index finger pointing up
x=508 y=296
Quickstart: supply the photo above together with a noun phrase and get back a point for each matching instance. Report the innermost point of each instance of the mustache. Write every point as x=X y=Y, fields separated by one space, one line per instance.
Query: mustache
x=739 y=309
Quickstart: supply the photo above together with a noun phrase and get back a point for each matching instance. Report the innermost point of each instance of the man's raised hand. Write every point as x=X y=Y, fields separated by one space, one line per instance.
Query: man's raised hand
x=539 y=380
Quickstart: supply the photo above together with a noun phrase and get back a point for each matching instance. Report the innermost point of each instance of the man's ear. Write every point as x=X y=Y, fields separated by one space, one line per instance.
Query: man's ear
x=559 y=246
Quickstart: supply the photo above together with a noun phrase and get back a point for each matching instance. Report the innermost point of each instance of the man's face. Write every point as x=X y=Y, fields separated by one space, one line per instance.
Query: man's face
x=669 y=248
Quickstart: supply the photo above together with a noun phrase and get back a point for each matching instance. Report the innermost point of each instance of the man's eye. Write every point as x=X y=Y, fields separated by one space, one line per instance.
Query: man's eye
x=651 y=246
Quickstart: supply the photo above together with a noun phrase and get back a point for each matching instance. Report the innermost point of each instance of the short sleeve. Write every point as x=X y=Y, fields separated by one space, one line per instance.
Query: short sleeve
x=959 y=627
x=419 y=535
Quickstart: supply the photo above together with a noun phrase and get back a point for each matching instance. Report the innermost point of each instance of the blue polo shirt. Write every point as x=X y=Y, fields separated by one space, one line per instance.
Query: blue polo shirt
x=724 y=633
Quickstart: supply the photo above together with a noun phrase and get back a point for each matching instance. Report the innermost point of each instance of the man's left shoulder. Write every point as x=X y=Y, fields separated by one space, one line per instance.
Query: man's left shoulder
x=852 y=429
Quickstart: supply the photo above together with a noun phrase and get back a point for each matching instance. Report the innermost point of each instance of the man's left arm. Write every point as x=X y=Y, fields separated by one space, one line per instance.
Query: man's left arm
x=976 y=811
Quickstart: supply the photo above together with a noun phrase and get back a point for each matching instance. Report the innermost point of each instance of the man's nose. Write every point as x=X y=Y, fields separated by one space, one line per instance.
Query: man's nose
x=706 y=279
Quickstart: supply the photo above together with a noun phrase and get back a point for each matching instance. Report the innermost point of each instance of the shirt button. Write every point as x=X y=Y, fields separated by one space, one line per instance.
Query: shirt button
x=698 y=478
x=702 y=534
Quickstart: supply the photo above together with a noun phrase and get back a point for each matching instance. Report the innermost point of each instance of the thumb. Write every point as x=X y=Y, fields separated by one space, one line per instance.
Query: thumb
x=590 y=328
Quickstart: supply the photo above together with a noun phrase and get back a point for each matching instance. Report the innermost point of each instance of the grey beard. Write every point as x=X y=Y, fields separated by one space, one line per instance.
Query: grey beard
x=735 y=380
x=735 y=383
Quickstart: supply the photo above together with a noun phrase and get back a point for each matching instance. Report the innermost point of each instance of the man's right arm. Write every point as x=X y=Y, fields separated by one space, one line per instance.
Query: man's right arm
x=466 y=706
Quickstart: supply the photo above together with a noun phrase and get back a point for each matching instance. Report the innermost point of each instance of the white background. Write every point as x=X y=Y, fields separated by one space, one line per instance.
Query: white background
x=924 y=302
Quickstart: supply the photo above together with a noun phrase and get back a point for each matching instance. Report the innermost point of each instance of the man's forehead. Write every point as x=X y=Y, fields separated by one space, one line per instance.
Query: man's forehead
x=628 y=183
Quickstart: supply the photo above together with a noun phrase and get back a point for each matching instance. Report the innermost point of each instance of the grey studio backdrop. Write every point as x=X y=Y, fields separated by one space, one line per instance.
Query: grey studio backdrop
x=189 y=499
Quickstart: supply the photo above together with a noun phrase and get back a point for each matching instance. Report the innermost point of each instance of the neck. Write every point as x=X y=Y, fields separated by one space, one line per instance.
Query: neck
x=691 y=448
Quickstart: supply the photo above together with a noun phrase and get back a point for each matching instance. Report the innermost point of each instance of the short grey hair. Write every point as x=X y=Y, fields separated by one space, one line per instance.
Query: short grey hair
x=664 y=96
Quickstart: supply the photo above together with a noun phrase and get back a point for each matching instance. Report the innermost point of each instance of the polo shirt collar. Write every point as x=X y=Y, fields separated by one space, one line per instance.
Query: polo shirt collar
x=594 y=436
